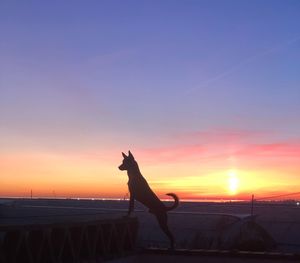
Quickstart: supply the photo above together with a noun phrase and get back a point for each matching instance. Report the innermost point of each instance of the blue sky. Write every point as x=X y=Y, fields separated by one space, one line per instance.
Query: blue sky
x=80 y=75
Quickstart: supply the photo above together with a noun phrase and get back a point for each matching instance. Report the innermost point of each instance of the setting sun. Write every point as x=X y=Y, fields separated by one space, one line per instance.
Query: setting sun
x=233 y=182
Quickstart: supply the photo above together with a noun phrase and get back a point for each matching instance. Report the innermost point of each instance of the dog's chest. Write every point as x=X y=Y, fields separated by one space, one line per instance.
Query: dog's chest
x=132 y=185
x=137 y=186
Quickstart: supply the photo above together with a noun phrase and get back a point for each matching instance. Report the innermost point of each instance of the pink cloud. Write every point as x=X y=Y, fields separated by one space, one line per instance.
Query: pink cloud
x=172 y=153
x=220 y=145
x=216 y=146
x=276 y=149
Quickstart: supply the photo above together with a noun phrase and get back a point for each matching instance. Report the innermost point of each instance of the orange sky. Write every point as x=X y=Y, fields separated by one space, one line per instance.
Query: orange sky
x=193 y=172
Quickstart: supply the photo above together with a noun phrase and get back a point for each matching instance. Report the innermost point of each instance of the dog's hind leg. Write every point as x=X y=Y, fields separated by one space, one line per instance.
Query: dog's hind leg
x=163 y=223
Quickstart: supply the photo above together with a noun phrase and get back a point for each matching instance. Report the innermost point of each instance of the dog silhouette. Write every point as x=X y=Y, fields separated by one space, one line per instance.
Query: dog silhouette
x=140 y=190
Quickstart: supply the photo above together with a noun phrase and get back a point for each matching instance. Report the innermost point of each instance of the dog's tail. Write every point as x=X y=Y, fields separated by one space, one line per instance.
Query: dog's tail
x=176 y=203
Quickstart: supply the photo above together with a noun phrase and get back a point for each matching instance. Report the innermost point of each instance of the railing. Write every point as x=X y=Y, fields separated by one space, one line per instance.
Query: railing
x=68 y=242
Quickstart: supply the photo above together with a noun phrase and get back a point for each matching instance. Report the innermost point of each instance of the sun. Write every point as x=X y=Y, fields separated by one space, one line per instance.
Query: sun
x=233 y=182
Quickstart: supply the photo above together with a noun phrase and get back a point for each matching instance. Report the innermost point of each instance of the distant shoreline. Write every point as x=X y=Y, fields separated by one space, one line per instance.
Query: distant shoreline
x=290 y=201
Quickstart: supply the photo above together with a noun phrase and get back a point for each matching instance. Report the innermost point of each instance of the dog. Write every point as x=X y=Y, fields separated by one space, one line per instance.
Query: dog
x=140 y=190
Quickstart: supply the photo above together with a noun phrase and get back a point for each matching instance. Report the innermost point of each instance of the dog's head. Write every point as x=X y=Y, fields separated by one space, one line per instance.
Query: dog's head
x=128 y=162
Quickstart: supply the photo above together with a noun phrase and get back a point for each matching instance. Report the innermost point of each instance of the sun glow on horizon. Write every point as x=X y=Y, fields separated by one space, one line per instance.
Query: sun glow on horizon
x=81 y=176
x=233 y=182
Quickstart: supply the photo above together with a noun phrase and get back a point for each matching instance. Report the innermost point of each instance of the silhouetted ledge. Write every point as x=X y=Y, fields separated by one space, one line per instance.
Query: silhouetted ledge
x=164 y=255
x=87 y=241
x=222 y=253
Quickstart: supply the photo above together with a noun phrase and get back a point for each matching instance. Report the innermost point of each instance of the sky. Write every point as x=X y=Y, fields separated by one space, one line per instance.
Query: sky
x=205 y=94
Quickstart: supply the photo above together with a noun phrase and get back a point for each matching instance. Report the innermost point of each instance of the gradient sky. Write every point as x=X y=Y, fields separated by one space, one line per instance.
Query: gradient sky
x=206 y=94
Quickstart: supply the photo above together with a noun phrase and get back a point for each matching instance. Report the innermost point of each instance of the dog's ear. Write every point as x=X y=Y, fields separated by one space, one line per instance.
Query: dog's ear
x=124 y=155
x=130 y=155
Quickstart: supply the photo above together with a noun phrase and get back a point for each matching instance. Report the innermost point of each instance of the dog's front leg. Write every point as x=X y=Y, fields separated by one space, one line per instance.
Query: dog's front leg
x=131 y=204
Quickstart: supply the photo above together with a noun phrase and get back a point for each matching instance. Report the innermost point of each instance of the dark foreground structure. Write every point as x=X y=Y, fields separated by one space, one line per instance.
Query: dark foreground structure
x=106 y=240
x=158 y=255
x=87 y=231
x=93 y=241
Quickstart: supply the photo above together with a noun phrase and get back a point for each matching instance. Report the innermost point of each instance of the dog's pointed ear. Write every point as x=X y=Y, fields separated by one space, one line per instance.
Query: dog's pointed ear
x=124 y=155
x=130 y=155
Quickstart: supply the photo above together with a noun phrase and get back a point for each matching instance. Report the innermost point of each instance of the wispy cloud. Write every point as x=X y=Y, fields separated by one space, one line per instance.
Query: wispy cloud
x=276 y=149
x=222 y=145
x=172 y=153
